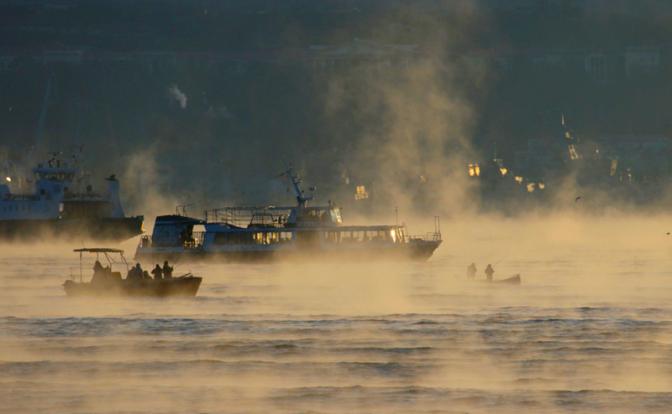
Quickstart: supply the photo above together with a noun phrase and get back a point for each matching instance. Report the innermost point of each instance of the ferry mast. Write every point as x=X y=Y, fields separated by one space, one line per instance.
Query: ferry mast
x=301 y=199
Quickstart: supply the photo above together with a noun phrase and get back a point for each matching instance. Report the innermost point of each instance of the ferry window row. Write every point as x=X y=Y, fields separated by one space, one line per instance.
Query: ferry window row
x=18 y=207
x=360 y=236
x=336 y=236
x=261 y=237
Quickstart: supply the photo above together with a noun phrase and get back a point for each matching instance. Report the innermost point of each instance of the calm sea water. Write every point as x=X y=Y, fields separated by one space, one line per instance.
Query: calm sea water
x=590 y=330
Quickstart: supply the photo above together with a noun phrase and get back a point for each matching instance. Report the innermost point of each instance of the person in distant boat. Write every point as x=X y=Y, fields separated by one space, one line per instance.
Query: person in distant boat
x=489 y=271
x=157 y=272
x=145 y=275
x=167 y=270
x=471 y=271
x=97 y=267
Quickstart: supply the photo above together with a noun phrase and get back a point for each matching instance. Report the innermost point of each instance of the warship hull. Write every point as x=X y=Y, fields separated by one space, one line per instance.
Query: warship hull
x=94 y=229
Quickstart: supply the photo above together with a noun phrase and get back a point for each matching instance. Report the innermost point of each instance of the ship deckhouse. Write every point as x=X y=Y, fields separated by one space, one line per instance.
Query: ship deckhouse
x=46 y=202
x=58 y=206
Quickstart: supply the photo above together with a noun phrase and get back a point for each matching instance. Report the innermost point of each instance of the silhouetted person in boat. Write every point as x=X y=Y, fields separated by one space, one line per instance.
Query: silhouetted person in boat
x=489 y=271
x=157 y=272
x=145 y=275
x=167 y=270
x=135 y=273
x=98 y=272
x=471 y=271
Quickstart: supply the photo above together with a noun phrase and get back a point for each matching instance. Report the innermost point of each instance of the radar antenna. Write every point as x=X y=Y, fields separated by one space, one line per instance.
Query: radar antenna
x=301 y=198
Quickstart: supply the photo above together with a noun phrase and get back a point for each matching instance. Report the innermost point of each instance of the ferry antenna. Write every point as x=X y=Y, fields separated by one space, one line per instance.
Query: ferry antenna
x=301 y=198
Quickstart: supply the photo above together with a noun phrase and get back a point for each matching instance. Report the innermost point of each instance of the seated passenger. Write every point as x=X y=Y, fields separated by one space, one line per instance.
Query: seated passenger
x=489 y=271
x=135 y=273
x=157 y=272
x=167 y=270
x=471 y=271
x=99 y=273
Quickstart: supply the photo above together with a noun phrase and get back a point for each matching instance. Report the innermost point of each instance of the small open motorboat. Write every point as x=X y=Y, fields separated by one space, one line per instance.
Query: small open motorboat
x=512 y=280
x=107 y=282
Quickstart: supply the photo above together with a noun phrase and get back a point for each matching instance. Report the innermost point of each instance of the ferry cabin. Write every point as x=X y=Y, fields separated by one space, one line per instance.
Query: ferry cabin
x=177 y=236
x=223 y=238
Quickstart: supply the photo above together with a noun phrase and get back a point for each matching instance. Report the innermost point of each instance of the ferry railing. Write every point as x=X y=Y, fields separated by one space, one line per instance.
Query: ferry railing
x=229 y=215
x=244 y=216
x=429 y=236
x=436 y=236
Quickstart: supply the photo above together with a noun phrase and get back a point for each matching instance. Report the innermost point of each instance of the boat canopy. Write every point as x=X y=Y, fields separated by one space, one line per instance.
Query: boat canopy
x=98 y=250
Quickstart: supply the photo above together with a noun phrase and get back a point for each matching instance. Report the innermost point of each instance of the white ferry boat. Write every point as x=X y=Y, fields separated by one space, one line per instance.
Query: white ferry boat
x=58 y=208
x=279 y=233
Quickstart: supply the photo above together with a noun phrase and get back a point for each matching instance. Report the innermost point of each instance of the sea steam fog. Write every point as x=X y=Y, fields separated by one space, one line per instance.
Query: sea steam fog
x=588 y=330
x=422 y=93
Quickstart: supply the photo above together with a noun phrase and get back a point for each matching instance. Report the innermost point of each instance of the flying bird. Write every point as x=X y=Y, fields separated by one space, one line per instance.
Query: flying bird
x=577 y=199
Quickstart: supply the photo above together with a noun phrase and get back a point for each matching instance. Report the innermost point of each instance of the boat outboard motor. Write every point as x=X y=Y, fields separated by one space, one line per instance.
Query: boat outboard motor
x=113 y=196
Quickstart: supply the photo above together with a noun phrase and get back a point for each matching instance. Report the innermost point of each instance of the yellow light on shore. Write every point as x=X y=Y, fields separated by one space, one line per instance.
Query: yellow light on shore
x=474 y=170
x=573 y=154
x=8 y=179
x=613 y=168
x=518 y=179
x=361 y=193
x=503 y=171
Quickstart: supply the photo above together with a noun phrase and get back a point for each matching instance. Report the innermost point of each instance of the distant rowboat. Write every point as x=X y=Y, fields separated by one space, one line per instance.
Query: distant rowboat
x=512 y=280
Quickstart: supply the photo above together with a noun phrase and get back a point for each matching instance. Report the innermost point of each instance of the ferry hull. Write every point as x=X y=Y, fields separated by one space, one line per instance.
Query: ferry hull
x=415 y=251
x=95 y=229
